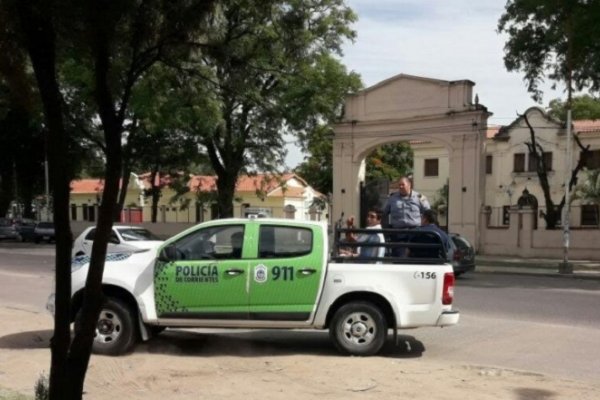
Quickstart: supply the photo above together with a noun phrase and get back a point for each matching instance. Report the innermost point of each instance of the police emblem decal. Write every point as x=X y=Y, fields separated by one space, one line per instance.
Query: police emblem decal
x=260 y=273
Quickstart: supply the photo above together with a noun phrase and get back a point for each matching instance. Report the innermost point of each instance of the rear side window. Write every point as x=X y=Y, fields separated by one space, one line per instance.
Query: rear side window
x=90 y=235
x=136 y=234
x=284 y=241
x=112 y=238
x=460 y=243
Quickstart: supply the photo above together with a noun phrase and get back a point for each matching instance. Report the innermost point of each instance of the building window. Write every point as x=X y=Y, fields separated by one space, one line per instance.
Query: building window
x=488 y=164
x=530 y=160
x=519 y=162
x=431 y=167
x=505 y=215
x=589 y=214
x=591 y=159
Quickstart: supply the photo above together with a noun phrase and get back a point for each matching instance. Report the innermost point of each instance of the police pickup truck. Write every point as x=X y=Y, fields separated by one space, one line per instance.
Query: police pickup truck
x=264 y=273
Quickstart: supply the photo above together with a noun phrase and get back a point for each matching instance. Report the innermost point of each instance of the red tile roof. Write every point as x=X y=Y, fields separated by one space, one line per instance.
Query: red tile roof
x=492 y=130
x=203 y=183
x=586 y=125
x=264 y=182
x=81 y=186
x=269 y=184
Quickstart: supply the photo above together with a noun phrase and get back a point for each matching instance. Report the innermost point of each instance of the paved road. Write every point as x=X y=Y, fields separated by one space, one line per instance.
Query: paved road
x=26 y=273
x=540 y=324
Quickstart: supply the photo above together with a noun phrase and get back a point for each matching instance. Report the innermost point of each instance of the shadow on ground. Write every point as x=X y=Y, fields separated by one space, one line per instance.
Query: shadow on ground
x=264 y=343
x=29 y=340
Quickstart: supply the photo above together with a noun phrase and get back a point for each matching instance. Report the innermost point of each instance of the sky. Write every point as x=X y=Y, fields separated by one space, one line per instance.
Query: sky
x=440 y=39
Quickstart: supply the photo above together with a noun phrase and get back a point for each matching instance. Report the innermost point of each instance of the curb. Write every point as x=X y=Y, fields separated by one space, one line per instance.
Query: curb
x=537 y=271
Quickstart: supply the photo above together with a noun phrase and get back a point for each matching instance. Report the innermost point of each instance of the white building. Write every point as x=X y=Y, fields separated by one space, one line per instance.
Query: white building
x=509 y=168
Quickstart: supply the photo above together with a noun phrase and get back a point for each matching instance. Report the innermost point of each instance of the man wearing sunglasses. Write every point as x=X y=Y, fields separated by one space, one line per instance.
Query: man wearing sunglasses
x=373 y=222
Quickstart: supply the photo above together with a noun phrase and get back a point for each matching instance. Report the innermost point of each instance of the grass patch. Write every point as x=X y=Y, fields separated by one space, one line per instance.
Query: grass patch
x=6 y=394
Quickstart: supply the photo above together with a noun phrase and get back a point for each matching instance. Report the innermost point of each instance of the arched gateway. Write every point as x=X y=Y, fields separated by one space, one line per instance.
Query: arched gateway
x=410 y=108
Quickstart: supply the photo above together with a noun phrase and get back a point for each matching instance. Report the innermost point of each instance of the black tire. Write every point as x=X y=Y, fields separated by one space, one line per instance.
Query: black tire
x=358 y=328
x=116 y=329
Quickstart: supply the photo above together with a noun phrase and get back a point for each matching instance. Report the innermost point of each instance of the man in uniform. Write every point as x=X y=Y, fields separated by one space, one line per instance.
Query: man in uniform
x=403 y=210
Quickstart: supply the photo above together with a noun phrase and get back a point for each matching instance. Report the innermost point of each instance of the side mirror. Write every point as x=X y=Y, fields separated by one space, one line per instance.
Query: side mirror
x=169 y=253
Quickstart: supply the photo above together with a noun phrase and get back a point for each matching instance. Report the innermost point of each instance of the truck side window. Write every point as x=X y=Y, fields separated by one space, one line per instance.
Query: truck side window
x=283 y=241
x=215 y=242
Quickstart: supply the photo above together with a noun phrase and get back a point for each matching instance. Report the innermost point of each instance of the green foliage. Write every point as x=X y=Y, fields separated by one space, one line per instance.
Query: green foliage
x=582 y=107
x=553 y=39
x=440 y=201
x=42 y=390
x=317 y=168
x=267 y=70
x=390 y=162
x=589 y=191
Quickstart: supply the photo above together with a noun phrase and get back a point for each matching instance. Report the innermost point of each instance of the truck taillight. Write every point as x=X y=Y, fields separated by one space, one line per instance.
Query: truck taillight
x=448 y=293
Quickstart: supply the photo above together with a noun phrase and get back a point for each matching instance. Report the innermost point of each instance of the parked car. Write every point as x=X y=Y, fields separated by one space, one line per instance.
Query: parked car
x=8 y=229
x=463 y=258
x=26 y=229
x=44 y=231
x=123 y=238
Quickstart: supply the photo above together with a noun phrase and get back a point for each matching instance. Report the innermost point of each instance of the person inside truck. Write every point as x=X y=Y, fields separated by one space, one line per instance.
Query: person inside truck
x=373 y=222
x=429 y=223
x=237 y=239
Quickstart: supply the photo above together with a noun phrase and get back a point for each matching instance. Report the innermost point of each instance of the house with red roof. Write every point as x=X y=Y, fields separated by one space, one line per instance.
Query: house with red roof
x=268 y=195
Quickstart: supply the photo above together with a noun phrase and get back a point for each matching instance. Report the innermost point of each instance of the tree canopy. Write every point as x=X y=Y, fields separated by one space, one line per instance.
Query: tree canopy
x=582 y=107
x=557 y=40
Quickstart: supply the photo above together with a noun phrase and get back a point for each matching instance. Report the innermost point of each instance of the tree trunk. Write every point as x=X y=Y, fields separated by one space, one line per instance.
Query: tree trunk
x=125 y=177
x=40 y=42
x=154 y=195
x=225 y=194
x=93 y=297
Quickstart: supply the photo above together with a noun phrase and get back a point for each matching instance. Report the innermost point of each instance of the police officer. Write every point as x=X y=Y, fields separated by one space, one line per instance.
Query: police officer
x=403 y=210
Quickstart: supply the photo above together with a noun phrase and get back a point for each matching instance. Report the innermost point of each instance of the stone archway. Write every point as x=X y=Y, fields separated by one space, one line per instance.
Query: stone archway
x=407 y=108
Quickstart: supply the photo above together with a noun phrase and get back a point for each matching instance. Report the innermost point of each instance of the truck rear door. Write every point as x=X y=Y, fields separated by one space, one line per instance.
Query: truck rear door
x=287 y=274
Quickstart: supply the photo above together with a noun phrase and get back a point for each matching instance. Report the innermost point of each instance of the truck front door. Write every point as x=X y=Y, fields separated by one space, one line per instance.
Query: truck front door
x=286 y=276
x=207 y=277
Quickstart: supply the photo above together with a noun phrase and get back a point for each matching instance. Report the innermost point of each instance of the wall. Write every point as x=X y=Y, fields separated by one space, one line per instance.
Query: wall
x=519 y=239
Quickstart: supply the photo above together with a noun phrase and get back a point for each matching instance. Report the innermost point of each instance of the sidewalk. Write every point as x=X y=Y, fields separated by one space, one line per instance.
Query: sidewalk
x=583 y=269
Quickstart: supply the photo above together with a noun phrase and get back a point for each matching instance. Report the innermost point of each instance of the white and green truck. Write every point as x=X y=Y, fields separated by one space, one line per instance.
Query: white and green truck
x=263 y=273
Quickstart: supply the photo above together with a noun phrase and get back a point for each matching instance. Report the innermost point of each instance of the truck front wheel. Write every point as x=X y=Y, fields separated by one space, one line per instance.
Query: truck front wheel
x=115 y=330
x=358 y=328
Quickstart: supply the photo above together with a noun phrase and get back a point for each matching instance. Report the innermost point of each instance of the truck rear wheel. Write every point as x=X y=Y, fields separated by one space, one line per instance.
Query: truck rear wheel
x=358 y=328
x=116 y=331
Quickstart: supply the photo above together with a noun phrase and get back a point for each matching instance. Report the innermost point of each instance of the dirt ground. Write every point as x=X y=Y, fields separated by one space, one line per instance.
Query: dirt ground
x=264 y=365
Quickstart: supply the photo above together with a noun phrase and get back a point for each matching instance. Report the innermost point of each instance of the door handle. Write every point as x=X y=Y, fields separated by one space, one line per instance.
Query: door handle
x=307 y=271
x=234 y=271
